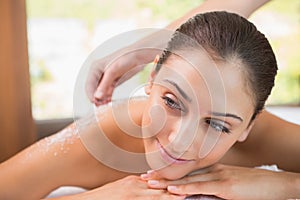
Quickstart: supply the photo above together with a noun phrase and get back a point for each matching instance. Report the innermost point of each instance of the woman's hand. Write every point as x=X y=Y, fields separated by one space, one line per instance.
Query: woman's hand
x=131 y=187
x=230 y=182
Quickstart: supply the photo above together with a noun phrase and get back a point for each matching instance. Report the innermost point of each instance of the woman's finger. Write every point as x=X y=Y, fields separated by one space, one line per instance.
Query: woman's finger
x=159 y=194
x=150 y=175
x=207 y=188
x=162 y=183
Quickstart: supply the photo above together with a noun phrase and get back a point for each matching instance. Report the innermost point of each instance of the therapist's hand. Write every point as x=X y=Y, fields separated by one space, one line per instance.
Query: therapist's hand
x=230 y=182
x=107 y=73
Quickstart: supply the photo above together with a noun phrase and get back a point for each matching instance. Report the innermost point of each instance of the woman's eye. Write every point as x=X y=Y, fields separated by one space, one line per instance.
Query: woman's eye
x=217 y=126
x=171 y=103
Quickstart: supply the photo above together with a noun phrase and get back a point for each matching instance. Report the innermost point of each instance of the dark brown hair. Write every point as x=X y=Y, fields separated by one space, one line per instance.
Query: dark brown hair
x=225 y=36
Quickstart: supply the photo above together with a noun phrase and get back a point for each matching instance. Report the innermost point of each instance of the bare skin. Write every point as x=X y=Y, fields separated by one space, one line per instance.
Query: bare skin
x=78 y=168
x=68 y=162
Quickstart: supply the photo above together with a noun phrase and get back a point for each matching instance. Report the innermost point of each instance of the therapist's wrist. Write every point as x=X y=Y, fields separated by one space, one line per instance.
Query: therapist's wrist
x=145 y=56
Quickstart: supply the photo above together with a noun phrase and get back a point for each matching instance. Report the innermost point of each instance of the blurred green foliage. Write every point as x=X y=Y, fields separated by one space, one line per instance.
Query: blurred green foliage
x=287 y=89
x=92 y=10
x=287 y=51
x=39 y=72
x=167 y=9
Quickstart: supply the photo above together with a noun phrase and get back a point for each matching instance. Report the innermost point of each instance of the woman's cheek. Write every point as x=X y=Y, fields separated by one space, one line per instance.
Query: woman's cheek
x=154 y=120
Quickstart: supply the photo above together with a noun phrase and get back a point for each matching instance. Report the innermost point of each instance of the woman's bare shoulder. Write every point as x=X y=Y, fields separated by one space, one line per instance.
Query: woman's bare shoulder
x=120 y=121
x=272 y=140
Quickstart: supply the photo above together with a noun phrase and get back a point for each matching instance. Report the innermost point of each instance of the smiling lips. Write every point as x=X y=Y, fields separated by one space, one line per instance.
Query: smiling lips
x=168 y=157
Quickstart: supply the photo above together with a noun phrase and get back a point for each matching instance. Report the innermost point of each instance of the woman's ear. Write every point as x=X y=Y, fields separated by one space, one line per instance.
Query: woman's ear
x=152 y=76
x=245 y=134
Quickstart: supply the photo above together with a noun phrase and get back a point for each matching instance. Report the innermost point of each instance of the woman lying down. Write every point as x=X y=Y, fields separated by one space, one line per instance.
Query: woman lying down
x=201 y=130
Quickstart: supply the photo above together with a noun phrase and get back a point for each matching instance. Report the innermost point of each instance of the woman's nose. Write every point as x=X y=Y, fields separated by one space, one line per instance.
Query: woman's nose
x=181 y=137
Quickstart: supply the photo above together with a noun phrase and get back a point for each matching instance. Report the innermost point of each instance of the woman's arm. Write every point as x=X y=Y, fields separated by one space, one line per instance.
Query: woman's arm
x=232 y=182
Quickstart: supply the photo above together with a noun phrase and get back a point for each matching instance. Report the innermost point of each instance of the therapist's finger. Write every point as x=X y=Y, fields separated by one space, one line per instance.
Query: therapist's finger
x=93 y=78
x=105 y=88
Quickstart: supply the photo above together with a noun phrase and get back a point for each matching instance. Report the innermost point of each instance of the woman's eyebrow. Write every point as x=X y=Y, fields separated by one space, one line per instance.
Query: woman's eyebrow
x=227 y=115
x=183 y=94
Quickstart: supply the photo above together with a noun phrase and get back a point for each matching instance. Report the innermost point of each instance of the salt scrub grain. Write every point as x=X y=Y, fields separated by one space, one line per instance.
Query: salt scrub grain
x=100 y=112
x=63 y=138
x=97 y=115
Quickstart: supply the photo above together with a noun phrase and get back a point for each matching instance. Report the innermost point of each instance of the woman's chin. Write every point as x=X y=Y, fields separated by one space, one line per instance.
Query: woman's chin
x=168 y=171
x=171 y=174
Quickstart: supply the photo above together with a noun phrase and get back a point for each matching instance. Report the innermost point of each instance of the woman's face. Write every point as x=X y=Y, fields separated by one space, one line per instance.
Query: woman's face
x=194 y=114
